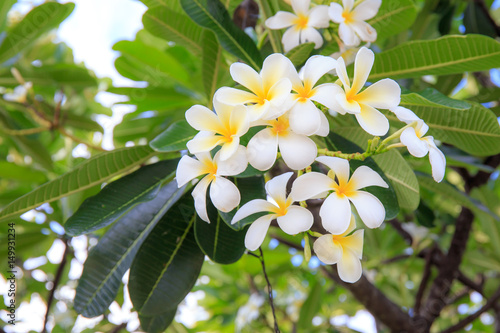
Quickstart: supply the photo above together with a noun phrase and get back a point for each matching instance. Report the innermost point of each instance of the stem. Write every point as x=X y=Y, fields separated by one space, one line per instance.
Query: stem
x=269 y=289
x=21 y=132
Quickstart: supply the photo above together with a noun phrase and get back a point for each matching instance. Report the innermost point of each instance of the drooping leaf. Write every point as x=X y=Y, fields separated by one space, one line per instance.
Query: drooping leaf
x=118 y=197
x=445 y=55
x=393 y=17
x=394 y=166
x=37 y=22
x=425 y=215
x=250 y=188
x=217 y=240
x=212 y=14
x=159 y=323
x=168 y=263
x=89 y=173
x=387 y=196
x=174 y=138
x=299 y=54
x=212 y=60
x=115 y=251
x=173 y=26
x=474 y=130
x=311 y=307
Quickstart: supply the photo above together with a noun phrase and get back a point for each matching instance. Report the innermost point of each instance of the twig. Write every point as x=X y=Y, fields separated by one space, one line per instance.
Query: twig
x=118 y=328
x=56 y=282
x=399 y=228
x=425 y=279
x=76 y=139
x=467 y=320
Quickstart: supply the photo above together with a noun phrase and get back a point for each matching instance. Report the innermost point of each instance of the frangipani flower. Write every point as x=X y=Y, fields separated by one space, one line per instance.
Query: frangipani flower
x=384 y=94
x=225 y=127
x=298 y=151
x=305 y=117
x=269 y=90
x=343 y=250
x=291 y=219
x=19 y=94
x=418 y=145
x=302 y=25
x=335 y=212
x=249 y=312
x=352 y=25
x=224 y=194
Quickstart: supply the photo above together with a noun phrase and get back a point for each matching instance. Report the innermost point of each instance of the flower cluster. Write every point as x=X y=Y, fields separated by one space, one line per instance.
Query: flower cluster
x=291 y=110
x=303 y=23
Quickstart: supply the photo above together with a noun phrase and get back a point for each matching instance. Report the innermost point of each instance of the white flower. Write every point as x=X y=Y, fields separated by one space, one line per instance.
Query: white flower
x=19 y=94
x=343 y=250
x=418 y=145
x=384 y=94
x=291 y=219
x=224 y=194
x=269 y=90
x=348 y=53
x=305 y=117
x=249 y=312
x=352 y=25
x=224 y=127
x=335 y=212
x=302 y=25
x=298 y=151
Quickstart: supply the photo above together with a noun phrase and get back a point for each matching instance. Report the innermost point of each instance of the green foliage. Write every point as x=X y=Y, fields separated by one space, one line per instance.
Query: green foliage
x=174 y=138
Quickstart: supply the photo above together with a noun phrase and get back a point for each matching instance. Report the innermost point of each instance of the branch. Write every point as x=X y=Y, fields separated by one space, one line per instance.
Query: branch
x=466 y=321
x=425 y=279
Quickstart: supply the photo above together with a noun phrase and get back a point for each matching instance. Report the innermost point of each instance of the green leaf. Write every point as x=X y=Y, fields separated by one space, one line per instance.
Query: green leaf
x=65 y=74
x=174 y=138
x=486 y=94
x=268 y=9
x=445 y=55
x=4 y=9
x=477 y=20
x=212 y=14
x=398 y=171
x=37 y=22
x=425 y=216
x=217 y=240
x=159 y=323
x=113 y=255
x=89 y=173
x=299 y=54
x=311 y=307
x=17 y=172
x=168 y=263
x=387 y=196
x=118 y=197
x=149 y=64
x=174 y=26
x=450 y=192
x=212 y=60
x=250 y=188
x=393 y=17
x=474 y=130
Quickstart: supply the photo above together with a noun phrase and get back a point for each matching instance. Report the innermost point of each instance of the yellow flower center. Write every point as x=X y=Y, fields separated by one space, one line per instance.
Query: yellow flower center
x=342 y=187
x=304 y=92
x=347 y=17
x=282 y=208
x=302 y=21
x=210 y=168
x=280 y=126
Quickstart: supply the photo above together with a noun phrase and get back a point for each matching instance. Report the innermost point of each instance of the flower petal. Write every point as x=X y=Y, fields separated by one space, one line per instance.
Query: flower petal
x=229 y=148
x=342 y=73
x=354 y=243
x=291 y=39
x=297 y=219
x=324 y=127
x=362 y=67
x=326 y=250
x=318 y=17
x=301 y=6
x=200 y=197
x=369 y=208
x=262 y=149
x=352 y=226
x=247 y=77
x=187 y=169
x=372 y=121
x=224 y=194
x=335 y=213
x=325 y=94
x=349 y=266
x=316 y=67
x=238 y=120
x=233 y=96
x=415 y=145
x=252 y=207
x=276 y=67
x=348 y=36
x=437 y=160
x=348 y=4
x=257 y=232
x=310 y=185
x=339 y=165
x=281 y=20
x=311 y=35
x=365 y=31
x=203 y=119
x=335 y=12
x=298 y=151
x=304 y=117
x=203 y=141
x=234 y=165
x=405 y=115
x=384 y=94
x=278 y=94
x=364 y=177
x=366 y=10
x=276 y=187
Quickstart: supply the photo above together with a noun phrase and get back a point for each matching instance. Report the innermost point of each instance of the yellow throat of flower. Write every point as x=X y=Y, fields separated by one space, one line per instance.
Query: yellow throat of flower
x=280 y=126
x=302 y=21
x=347 y=17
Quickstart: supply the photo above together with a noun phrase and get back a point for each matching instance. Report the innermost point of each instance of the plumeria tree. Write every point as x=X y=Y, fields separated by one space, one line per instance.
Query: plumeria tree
x=274 y=167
